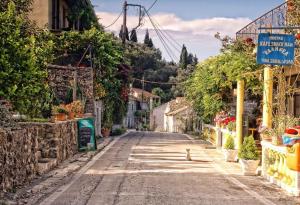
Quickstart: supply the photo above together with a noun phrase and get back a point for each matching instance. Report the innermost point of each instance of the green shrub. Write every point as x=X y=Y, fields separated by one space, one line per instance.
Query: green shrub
x=118 y=131
x=231 y=126
x=205 y=134
x=249 y=150
x=229 y=142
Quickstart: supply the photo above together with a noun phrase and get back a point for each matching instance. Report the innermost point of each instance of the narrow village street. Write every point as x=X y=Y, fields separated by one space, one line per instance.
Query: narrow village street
x=149 y=102
x=151 y=168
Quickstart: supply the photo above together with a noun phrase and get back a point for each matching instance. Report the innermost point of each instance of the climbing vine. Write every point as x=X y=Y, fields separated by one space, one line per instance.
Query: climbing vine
x=209 y=88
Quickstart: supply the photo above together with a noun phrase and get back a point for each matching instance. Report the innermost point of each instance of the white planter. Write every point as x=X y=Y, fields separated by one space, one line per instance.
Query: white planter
x=249 y=167
x=230 y=155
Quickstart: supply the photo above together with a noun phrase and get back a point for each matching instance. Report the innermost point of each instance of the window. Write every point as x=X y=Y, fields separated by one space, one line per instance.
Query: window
x=55 y=14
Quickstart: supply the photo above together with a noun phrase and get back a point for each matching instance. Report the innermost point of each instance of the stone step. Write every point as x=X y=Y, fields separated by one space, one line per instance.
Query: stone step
x=46 y=164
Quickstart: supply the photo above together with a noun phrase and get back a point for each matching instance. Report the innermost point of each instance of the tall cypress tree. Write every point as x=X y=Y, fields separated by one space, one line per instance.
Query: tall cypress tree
x=147 y=38
x=183 y=58
x=133 y=36
x=148 y=41
x=150 y=44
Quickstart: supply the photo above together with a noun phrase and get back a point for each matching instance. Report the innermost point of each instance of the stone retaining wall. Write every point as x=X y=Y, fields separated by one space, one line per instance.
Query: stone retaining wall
x=18 y=163
x=60 y=81
x=24 y=149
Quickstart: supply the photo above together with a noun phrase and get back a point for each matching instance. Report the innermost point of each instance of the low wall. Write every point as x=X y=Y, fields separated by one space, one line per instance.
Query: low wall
x=218 y=135
x=23 y=150
x=55 y=140
x=18 y=163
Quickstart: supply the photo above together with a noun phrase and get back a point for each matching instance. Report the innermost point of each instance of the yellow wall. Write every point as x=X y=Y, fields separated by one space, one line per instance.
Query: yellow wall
x=41 y=12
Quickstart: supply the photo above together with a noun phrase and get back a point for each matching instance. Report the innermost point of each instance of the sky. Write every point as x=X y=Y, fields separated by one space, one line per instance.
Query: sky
x=190 y=22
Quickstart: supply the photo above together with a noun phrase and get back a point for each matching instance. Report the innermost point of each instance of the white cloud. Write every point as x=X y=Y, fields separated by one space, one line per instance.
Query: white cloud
x=197 y=35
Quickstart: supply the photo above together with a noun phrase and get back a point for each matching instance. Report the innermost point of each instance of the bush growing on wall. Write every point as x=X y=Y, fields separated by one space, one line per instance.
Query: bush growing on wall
x=23 y=57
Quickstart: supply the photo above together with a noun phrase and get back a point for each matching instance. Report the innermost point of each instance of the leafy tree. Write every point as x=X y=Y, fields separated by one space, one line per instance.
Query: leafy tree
x=133 y=36
x=85 y=13
x=21 y=6
x=159 y=92
x=190 y=59
x=107 y=55
x=183 y=58
x=148 y=62
x=23 y=60
x=210 y=85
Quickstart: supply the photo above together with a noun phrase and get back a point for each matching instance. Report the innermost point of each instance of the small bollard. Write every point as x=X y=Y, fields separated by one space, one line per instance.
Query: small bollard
x=188 y=155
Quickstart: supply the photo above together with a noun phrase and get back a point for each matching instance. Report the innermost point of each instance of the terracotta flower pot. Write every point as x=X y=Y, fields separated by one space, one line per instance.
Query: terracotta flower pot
x=249 y=167
x=71 y=115
x=79 y=115
x=105 y=132
x=60 y=117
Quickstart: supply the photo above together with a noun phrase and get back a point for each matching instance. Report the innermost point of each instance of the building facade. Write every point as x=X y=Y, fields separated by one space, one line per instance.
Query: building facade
x=140 y=103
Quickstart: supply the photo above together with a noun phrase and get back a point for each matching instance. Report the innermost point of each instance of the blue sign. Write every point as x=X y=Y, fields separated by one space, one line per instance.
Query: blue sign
x=276 y=49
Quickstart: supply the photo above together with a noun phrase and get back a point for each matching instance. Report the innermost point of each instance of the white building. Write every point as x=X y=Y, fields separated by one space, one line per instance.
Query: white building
x=174 y=116
x=140 y=101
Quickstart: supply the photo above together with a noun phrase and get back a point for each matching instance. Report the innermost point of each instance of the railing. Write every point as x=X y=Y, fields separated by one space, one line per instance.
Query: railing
x=269 y=22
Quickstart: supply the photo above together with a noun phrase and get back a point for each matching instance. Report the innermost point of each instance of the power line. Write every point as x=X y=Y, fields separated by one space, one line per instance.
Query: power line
x=167 y=48
x=155 y=82
x=115 y=21
x=170 y=36
x=168 y=39
x=152 y=5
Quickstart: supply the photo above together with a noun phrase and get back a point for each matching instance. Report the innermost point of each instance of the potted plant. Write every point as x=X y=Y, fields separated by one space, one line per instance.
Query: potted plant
x=71 y=113
x=249 y=157
x=229 y=152
x=60 y=113
x=77 y=108
x=280 y=123
x=105 y=131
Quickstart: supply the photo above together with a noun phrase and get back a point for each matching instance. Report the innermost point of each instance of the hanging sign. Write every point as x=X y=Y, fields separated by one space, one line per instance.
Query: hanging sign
x=276 y=49
x=86 y=134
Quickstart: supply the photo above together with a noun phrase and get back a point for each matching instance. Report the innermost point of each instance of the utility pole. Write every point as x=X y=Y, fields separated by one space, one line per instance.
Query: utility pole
x=143 y=86
x=124 y=26
x=124 y=22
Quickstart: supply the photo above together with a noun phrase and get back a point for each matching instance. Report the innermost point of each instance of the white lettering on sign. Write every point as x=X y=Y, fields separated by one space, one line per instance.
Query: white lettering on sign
x=277 y=61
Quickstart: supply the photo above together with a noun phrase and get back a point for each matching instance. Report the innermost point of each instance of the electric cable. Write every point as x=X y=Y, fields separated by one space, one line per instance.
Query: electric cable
x=155 y=82
x=170 y=36
x=152 y=5
x=178 y=49
x=167 y=48
x=115 y=21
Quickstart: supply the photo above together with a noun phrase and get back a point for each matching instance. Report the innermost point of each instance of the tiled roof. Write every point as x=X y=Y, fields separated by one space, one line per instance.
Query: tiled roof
x=178 y=103
x=141 y=92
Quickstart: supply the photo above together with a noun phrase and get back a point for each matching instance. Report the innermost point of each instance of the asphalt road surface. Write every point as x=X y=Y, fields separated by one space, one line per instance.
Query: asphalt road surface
x=145 y=168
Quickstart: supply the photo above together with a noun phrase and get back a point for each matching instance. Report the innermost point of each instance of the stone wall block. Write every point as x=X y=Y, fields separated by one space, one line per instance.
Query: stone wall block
x=21 y=150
